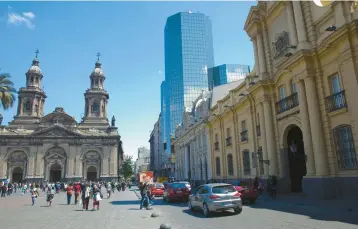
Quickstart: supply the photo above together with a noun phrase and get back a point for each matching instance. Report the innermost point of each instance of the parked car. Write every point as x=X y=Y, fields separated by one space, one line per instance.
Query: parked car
x=248 y=193
x=215 y=198
x=176 y=191
x=157 y=189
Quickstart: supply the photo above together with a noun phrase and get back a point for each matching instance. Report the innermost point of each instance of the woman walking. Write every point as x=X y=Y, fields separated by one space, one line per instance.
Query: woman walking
x=69 y=190
x=34 y=195
x=96 y=197
x=85 y=197
x=50 y=194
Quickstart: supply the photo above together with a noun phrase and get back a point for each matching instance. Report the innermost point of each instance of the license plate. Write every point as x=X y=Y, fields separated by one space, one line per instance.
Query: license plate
x=179 y=191
x=158 y=189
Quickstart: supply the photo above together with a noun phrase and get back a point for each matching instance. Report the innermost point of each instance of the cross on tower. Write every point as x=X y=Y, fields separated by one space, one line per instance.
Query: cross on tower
x=98 y=55
x=37 y=52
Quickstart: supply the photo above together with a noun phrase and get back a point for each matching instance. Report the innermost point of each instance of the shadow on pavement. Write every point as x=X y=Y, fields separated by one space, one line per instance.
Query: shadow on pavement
x=125 y=202
x=314 y=212
x=161 y=202
x=134 y=209
x=199 y=214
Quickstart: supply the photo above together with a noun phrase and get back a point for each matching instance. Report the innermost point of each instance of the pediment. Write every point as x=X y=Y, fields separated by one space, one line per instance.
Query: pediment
x=56 y=131
x=55 y=156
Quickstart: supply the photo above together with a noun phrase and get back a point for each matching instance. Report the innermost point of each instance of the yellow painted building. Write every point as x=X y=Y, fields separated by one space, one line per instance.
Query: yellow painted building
x=296 y=114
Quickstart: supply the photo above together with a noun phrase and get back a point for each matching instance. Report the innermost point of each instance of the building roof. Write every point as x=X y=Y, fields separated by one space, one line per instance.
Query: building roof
x=219 y=92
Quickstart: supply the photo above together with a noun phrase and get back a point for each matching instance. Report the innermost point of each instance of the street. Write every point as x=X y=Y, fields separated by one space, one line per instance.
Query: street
x=122 y=211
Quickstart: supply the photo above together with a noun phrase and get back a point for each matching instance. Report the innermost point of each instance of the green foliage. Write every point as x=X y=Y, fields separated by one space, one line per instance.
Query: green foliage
x=126 y=169
x=7 y=91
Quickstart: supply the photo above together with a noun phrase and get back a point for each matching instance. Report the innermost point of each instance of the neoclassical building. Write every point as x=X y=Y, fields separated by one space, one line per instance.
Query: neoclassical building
x=54 y=147
x=191 y=144
x=295 y=116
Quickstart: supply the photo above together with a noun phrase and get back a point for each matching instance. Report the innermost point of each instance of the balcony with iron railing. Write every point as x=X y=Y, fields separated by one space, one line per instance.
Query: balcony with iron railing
x=228 y=141
x=244 y=136
x=336 y=101
x=216 y=145
x=258 y=131
x=287 y=103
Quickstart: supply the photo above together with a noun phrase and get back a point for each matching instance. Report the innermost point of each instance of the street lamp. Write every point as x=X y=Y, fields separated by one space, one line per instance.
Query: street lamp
x=1 y=118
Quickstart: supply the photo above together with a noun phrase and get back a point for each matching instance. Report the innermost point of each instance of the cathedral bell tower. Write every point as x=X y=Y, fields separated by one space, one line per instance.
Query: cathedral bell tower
x=31 y=99
x=96 y=99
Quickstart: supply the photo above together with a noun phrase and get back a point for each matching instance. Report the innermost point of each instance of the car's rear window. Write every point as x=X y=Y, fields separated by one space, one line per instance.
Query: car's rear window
x=178 y=185
x=223 y=189
x=159 y=185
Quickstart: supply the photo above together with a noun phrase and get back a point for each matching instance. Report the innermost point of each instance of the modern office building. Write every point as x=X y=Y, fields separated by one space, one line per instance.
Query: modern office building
x=188 y=55
x=226 y=73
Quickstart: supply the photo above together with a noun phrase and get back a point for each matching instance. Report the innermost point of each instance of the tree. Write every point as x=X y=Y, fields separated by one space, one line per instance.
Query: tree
x=126 y=170
x=7 y=91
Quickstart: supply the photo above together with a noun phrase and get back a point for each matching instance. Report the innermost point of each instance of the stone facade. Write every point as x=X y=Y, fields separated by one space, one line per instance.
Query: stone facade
x=295 y=116
x=54 y=147
x=192 y=143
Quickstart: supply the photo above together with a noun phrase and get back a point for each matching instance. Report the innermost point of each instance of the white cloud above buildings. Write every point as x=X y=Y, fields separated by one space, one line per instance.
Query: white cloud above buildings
x=23 y=18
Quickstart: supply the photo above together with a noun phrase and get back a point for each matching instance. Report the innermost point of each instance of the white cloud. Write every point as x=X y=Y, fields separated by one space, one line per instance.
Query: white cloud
x=29 y=15
x=25 y=18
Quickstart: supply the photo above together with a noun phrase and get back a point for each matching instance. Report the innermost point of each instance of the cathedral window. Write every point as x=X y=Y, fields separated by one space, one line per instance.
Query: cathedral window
x=27 y=106
x=32 y=79
x=95 y=107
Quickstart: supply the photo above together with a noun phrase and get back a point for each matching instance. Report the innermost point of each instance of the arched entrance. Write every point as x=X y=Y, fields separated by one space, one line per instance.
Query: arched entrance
x=91 y=173
x=296 y=158
x=17 y=174
x=55 y=173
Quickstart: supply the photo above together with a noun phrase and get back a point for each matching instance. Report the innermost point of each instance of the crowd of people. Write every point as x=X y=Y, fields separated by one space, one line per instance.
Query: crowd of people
x=83 y=192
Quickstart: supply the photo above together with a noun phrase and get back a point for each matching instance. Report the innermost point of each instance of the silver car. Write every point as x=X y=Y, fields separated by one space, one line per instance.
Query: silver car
x=215 y=198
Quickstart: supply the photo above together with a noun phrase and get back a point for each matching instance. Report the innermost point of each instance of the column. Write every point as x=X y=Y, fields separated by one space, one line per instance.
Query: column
x=306 y=128
x=261 y=54
x=291 y=24
x=270 y=138
x=21 y=106
x=263 y=137
x=320 y=156
x=114 y=160
x=300 y=26
x=257 y=61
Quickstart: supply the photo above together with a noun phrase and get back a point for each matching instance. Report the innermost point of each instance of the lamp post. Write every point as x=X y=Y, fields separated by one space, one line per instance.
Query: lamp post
x=1 y=118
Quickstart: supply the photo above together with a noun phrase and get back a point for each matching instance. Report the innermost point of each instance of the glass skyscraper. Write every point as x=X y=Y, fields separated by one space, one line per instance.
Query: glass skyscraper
x=188 y=55
x=226 y=73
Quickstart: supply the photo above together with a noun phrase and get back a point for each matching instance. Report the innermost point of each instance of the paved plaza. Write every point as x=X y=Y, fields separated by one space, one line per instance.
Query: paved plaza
x=122 y=211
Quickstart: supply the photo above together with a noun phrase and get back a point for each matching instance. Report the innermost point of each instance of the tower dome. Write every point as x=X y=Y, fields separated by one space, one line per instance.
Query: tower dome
x=35 y=67
x=97 y=72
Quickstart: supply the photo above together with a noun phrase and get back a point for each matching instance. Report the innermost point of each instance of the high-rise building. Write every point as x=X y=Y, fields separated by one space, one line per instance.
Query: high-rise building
x=226 y=73
x=188 y=55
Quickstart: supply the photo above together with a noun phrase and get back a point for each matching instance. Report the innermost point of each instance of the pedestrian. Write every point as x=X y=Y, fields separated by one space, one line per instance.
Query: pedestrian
x=34 y=195
x=96 y=195
x=69 y=190
x=109 y=186
x=86 y=190
x=77 y=188
x=50 y=194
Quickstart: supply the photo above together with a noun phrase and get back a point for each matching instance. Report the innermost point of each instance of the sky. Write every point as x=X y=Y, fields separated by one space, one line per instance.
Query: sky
x=130 y=38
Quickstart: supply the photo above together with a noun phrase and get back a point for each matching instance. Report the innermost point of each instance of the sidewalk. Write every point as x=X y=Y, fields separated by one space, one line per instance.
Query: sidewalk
x=300 y=200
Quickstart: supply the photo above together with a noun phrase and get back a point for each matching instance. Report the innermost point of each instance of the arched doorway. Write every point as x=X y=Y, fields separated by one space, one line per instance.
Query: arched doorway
x=55 y=173
x=17 y=174
x=296 y=158
x=91 y=173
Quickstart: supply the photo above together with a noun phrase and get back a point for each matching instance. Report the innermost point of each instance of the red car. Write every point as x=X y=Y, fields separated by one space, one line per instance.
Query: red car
x=248 y=194
x=157 y=189
x=176 y=191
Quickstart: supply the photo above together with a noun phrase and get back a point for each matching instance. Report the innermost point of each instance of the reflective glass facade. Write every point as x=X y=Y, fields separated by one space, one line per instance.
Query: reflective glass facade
x=226 y=73
x=188 y=55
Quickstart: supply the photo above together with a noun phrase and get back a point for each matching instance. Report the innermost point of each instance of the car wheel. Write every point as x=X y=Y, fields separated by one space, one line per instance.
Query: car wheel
x=206 y=210
x=238 y=210
x=190 y=206
x=252 y=201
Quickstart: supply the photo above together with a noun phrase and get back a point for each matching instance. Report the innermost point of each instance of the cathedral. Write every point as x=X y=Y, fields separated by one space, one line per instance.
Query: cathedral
x=55 y=147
